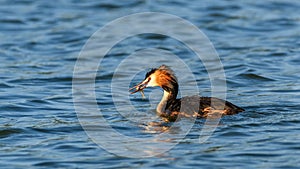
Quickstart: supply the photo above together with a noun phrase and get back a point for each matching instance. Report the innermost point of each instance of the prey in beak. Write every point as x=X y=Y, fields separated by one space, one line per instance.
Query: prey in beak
x=139 y=88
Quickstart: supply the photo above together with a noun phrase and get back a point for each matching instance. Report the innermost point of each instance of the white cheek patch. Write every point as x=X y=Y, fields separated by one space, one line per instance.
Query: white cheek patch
x=152 y=82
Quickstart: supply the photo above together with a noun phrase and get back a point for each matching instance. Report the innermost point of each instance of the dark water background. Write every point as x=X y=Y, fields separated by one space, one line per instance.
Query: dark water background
x=258 y=43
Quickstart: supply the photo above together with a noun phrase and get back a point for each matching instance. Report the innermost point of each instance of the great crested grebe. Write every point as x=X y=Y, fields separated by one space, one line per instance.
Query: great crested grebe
x=170 y=107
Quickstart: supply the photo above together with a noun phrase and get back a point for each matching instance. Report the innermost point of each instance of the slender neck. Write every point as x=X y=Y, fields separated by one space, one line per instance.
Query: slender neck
x=169 y=95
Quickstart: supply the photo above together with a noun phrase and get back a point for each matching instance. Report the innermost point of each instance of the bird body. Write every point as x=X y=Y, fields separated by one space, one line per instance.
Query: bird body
x=190 y=106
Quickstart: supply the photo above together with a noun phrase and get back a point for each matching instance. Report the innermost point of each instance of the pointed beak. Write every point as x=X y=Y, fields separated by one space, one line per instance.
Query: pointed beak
x=138 y=87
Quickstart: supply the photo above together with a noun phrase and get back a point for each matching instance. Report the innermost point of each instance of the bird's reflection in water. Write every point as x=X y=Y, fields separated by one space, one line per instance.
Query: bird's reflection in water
x=156 y=127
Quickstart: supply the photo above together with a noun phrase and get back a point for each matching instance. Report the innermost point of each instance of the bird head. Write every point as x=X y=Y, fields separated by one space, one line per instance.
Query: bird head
x=162 y=76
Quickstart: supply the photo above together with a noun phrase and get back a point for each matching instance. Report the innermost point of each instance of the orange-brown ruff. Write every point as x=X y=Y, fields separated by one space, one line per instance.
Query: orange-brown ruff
x=170 y=107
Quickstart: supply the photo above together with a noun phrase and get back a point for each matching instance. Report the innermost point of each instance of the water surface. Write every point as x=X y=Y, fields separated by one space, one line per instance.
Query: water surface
x=258 y=43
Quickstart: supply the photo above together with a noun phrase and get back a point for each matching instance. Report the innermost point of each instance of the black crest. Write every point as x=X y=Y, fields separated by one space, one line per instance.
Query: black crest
x=150 y=72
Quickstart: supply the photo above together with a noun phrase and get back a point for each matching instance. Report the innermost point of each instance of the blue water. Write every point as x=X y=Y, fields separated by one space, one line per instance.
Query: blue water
x=258 y=43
